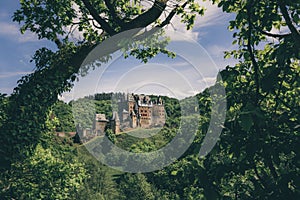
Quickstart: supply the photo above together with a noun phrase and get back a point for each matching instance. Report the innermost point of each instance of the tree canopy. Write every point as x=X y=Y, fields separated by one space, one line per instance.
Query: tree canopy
x=56 y=70
x=257 y=155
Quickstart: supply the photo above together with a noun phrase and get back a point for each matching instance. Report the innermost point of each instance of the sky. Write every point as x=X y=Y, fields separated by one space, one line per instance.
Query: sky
x=199 y=58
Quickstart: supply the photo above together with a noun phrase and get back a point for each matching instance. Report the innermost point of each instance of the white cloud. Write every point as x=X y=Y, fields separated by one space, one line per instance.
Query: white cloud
x=217 y=51
x=213 y=16
x=11 y=74
x=177 y=64
x=6 y=90
x=8 y=28
x=74 y=32
x=207 y=81
x=4 y=15
x=66 y=96
x=11 y=31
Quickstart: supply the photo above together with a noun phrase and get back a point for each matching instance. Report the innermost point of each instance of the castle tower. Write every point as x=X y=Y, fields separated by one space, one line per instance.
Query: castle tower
x=100 y=123
x=133 y=120
x=145 y=115
x=131 y=106
x=125 y=115
x=139 y=110
x=115 y=122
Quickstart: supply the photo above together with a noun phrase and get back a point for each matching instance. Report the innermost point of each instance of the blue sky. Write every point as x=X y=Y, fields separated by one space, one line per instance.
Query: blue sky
x=210 y=33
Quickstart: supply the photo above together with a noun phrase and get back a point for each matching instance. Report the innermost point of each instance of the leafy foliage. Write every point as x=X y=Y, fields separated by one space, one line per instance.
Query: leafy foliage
x=100 y=182
x=56 y=71
x=135 y=186
x=63 y=112
x=50 y=173
x=257 y=155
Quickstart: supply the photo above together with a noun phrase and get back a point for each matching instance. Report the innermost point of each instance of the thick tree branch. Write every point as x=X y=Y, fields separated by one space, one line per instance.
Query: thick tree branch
x=147 y=17
x=104 y=25
x=252 y=56
x=171 y=15
x=158 y=27
x=295 y=33
x=279 y=36
x=113 y=13
x=58 y=42
x=95 y=25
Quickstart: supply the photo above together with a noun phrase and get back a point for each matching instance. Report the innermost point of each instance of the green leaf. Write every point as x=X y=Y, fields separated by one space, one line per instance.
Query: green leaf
x=246 y=122
x=174 y=173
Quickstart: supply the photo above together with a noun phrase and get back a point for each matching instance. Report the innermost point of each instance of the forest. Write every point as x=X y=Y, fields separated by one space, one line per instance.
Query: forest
x=256 y=155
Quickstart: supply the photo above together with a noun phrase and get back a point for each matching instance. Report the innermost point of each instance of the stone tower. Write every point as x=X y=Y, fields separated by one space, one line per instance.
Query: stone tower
x=100 y=123
x=139 y=110
x=115 y=122
x=133 y=116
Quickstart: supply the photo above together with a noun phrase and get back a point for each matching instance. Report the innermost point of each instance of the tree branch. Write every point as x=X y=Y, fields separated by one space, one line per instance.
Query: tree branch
x=171 y=15
x=113 y=13
x=147 y=17
x=279 y=36
x=156 y=28
x=94 y=24
x=295 y=33
x=249 y=47
x=104 y=25
x=58 y=42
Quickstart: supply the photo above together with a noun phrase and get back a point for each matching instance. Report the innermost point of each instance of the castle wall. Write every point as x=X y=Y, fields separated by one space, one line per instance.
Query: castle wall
x=115 y=123
x=116 y=127
x=145 y=115
x=139 y=111
x=100 y=127
x=125 y=115
x=134 y=122
x=158 y=115
x=130 y=107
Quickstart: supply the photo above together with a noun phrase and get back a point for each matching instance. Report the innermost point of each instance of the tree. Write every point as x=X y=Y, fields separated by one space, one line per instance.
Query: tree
x=55 y=71
x=3 y=105
x=257 y=154
x=99 y=184
x=135 y=186
x=63 y=112
x=47 y=174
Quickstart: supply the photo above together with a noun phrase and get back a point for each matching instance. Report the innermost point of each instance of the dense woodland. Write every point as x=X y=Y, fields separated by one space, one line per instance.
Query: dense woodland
x=256 y=157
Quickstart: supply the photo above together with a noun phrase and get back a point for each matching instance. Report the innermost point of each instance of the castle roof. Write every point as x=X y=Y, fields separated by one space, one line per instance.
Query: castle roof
x=101 y=118
x=115 y=116
x=145 y=104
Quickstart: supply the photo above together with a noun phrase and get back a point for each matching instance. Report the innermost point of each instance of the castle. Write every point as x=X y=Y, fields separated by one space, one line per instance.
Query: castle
x=138 y=111
x=132 y=111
